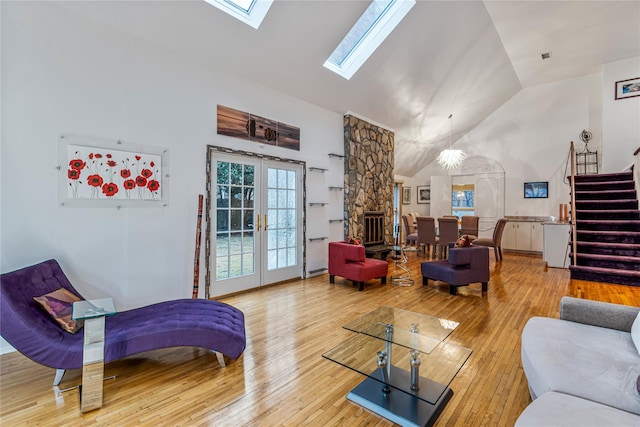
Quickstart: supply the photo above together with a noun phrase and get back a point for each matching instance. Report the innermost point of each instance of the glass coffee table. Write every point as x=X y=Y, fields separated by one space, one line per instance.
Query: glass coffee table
x=407 y=364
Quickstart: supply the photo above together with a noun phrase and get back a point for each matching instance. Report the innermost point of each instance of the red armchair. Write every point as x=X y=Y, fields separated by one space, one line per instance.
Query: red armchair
x=349 y=261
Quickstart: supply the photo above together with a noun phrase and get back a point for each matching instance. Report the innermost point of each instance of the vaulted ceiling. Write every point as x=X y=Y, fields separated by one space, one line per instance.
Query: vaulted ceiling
x=445 y=57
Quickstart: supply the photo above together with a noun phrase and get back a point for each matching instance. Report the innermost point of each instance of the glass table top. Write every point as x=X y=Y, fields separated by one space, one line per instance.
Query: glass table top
x=87 y=309
x=439 y=361
x=403 y=321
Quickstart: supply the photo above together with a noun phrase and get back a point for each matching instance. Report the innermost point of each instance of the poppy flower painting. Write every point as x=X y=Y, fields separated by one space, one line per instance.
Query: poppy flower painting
x=112 y=174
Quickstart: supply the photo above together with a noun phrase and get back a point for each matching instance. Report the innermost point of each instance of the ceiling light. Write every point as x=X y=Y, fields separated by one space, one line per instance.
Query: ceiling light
x=450 y=158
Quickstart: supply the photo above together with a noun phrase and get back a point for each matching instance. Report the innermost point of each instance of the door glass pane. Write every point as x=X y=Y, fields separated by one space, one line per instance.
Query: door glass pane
x=281 y=202
x=236 y=174
x=235 y=246
x=272 y=178
x=222 y=196
x=236 y=197
x=248 y=243
x=222 y=244
x=291 y=180
x=223 y=173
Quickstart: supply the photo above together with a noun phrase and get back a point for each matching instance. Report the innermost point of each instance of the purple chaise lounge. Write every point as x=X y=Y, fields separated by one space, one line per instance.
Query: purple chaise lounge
x=186 y=322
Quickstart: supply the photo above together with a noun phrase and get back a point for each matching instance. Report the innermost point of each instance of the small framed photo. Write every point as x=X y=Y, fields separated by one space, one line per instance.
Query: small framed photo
x=406 y=195
x=424 y=194
x=628 y=88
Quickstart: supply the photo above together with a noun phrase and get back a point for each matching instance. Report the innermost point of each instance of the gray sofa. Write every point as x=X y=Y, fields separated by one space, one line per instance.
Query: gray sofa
x=582 y=369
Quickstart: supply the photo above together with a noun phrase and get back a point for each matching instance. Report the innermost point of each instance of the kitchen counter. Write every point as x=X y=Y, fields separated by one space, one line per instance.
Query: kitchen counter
x=530 y=218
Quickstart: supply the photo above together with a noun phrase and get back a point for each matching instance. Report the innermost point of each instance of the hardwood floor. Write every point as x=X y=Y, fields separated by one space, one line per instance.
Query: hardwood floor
x=282 y=378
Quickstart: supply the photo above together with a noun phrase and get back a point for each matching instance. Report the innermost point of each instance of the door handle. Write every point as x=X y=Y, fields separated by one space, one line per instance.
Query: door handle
x=265 y=222
x=258 y=222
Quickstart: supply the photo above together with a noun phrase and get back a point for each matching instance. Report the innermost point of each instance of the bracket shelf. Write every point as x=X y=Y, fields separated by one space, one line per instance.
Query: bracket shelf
x=318 y=204
x=315 y=169
x=317 y=239
x=339 y=156
x=331 y=221
x=336 y=188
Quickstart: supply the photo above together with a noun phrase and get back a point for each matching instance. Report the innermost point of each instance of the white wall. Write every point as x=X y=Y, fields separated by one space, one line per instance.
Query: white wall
x=63 y=73
x=621 y=118
x=414 y=206
x=529 y=136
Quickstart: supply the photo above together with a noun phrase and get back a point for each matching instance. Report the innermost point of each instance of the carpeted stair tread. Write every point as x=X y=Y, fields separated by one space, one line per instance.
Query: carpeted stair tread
x=605 y=275
x=615 y=176
x=609 y=248
x=607 y=214
x=608 y=225
x=631 y=237
x=629 y=204
x=604 y=186
x=608 y=261
x=606 y=195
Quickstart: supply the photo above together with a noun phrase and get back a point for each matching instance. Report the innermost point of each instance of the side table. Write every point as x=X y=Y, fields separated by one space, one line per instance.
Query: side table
x=93 y=312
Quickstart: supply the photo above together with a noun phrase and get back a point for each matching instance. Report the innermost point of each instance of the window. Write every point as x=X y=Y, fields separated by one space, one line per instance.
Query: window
x=375 y=24
x=463 y=200
x=251 y=12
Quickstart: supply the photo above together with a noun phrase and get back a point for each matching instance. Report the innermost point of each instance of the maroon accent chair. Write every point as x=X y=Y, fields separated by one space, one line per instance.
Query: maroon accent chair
x=349 y=261
x=464 y=266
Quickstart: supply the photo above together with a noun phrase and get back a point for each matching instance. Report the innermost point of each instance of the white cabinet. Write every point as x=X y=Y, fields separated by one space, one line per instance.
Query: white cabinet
x=556 y=244
x=523 y=236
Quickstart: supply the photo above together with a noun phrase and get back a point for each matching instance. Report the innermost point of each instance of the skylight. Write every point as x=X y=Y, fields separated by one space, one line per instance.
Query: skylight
x=251 y=12
x=373 y=27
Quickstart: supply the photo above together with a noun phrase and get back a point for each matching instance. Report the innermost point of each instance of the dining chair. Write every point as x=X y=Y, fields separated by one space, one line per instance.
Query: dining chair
x=410 y=235
x=494 y=242
x=469 y=226
x=447 y=233
x=426 y=235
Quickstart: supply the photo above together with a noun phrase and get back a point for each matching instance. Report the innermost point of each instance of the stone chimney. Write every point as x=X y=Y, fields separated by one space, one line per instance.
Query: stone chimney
x=368 y=178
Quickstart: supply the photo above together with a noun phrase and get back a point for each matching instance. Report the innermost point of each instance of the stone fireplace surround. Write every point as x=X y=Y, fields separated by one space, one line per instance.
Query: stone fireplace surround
x=368 y=177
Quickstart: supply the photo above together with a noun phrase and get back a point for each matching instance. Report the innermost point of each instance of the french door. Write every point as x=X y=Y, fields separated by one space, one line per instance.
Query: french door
x=257 y=210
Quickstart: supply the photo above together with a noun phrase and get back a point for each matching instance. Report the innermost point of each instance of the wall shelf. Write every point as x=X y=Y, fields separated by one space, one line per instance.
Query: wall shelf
x=318 y=204
x=336 y=188
x=316 y=239
x=318 y=270
x=340 y=156
x=331 y=221
x=315 y=169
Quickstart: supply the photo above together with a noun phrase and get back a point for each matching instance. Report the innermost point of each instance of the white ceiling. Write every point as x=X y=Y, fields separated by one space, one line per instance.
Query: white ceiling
x=460 y=57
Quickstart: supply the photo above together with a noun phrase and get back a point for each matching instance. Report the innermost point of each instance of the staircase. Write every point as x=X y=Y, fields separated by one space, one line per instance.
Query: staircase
x=608 y=229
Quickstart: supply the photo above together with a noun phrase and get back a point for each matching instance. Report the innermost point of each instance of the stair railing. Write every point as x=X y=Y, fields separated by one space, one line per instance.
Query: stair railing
x=636 y=170
x=573 y=204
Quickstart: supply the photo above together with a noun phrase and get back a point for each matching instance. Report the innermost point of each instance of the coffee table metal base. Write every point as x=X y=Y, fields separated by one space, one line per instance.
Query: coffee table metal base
x=398 y=406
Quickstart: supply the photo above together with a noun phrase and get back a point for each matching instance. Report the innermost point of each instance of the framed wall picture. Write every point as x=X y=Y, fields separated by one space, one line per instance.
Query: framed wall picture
x=98 y=172
x=628 y=88
x=424 y=194
x=406 y=195
x=536 y=190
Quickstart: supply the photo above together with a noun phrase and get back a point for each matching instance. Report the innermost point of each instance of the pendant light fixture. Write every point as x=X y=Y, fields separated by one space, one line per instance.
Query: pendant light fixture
x=450 y=158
